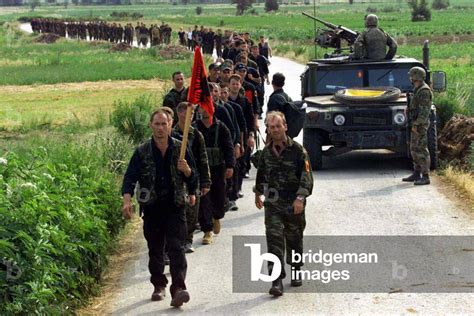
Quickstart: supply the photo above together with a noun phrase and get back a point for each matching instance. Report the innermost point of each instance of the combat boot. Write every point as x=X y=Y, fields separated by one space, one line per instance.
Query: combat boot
x=216 y=226
x=158 y=294
x=277 y=288
x=425 y=179
x=414 y=176
x=180 y=296
x=207 y=239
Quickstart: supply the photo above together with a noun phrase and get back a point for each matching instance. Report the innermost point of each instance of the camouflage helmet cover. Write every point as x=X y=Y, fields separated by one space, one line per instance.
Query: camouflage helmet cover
x=371 y=20
x=417 y=73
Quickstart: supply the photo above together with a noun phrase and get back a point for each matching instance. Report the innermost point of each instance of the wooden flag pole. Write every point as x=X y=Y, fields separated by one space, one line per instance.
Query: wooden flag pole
x=187 y=124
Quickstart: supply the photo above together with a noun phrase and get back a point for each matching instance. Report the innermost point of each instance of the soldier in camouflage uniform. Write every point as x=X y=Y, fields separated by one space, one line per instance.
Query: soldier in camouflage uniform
x=176 y=95
x=284 y=177
x=371 y=43
x=198 y=149
x=164 y=184
x=419 y=110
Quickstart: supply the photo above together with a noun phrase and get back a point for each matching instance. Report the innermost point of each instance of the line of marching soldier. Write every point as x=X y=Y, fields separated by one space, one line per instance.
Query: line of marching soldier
x=100 y=30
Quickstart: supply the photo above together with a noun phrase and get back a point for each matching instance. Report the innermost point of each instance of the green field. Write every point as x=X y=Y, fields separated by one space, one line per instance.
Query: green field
x=23 y=62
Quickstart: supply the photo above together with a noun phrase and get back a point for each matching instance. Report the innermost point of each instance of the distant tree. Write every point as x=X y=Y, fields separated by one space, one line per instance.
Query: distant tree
x=271 y=5
x=66 y=3
x=34 y=4
x=351 y=1
x=198 y=10
x=419 y=10
x=243 y=5
x=185 y=2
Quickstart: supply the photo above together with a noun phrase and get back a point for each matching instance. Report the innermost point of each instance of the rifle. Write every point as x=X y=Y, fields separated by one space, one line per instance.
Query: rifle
x=331 y=37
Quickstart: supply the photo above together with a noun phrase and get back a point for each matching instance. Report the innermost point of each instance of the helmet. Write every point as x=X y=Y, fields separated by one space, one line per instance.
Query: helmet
x=371 y=20
x=417 y=73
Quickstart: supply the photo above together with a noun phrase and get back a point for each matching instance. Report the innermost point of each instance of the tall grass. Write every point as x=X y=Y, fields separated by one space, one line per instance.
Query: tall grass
x=59 y=214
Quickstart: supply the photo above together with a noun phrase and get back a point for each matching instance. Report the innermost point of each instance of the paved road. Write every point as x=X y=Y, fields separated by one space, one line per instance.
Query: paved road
x=357 y=194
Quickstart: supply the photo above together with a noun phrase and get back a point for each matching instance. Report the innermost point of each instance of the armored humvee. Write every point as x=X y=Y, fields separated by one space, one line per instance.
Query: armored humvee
x=367 y=122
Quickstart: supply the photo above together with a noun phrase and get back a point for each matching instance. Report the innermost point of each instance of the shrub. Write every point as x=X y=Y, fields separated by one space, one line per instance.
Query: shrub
x=371 y=10
x=131 y=118
x=136 y=15
x=446 y=107
x=440 y=4
x=59 y=213
x=389 y=9
x=419 y=10
x=271 y=5
x=198 y=10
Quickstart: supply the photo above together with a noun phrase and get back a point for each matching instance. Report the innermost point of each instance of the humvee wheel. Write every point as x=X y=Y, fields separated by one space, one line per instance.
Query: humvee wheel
x=313 y=142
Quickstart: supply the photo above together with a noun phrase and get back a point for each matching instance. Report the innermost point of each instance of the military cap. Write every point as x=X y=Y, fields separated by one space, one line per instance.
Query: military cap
x=214 y=66
x=240 y=66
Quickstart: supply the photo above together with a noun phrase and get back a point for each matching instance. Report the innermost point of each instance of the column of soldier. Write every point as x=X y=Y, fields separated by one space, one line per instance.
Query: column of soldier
x=100 y=30
x=221 y=42
x=236 y=84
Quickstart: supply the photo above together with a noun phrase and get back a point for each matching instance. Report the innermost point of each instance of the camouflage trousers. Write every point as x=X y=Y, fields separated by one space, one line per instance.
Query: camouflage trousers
x=283 y=228
x=419 y=150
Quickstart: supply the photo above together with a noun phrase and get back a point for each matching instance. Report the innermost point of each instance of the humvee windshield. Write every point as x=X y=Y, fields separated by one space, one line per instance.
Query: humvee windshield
x=330 y=79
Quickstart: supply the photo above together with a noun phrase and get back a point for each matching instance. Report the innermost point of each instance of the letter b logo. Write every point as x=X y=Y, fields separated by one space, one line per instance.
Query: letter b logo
x=256 y=262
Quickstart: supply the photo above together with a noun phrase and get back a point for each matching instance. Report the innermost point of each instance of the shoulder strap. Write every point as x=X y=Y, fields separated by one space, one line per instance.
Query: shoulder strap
x=216 y=139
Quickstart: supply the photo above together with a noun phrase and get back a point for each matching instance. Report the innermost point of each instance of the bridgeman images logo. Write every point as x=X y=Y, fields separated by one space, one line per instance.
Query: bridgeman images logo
x=257 y=259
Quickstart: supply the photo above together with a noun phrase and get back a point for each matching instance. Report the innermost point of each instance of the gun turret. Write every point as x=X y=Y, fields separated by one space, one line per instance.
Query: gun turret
x=332 y=36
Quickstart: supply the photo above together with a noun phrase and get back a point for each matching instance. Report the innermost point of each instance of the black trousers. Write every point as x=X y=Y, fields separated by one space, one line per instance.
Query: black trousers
x=192 y=213
x=213 y=203
x=166 y=224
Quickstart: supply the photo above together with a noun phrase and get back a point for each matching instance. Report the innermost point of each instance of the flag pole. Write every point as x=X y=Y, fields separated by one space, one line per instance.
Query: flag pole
x=187 y=124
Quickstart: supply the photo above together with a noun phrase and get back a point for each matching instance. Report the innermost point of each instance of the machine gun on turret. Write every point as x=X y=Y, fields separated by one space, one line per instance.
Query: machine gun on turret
x=332 y=36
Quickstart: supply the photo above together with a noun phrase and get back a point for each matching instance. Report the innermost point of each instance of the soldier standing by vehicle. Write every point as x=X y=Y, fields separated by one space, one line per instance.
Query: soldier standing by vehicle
x=371 y=44
x=176 y=95
x=165 y=180
x=284 y=177
x=419 y=110
x=198 y=148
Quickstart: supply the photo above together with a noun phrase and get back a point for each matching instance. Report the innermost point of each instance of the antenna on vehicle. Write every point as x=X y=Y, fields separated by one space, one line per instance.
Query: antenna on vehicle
x=315 y=32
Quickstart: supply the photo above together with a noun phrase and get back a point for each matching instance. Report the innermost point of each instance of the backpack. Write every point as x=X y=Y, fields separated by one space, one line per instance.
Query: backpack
x=295 y=115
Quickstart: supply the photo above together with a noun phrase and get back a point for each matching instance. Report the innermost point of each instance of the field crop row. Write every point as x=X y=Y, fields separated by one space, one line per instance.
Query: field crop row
x=59 y=213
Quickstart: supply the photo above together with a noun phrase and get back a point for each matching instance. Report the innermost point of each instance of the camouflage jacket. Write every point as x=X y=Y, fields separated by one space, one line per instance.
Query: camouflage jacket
x=420 y=106
x=286 y=176
x=372 y=43
x=198 y=149
x=142 y=169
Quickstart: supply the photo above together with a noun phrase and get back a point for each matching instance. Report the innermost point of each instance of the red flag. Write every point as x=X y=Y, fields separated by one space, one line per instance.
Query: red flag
x=199 y=92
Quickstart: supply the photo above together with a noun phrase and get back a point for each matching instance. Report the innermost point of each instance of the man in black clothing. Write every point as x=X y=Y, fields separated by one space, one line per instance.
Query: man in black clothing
x=198 y=148
x=164 y=184
x=220 y=111
x=220 y=154
x=278 y=98
x=176 y=95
